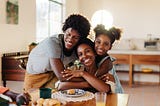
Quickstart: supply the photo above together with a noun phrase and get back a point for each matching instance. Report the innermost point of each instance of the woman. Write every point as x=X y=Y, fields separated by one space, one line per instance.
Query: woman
x=104 y=40
x=49 y=58
x=87 y=56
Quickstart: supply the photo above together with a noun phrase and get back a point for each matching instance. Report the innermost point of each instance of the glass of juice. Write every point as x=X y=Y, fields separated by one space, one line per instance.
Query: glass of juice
x=100 y=98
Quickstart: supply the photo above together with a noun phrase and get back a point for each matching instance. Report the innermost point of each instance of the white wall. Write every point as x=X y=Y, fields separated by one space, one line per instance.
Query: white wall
x=72 y=6
x=15 y=38
x=136 y=17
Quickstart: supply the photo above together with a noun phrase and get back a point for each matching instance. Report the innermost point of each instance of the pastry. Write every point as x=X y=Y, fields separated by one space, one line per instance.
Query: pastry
x=71 y=91
x=47 y=102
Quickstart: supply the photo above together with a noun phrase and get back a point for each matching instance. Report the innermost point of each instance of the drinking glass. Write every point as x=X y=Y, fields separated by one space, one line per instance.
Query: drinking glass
x=100 y=98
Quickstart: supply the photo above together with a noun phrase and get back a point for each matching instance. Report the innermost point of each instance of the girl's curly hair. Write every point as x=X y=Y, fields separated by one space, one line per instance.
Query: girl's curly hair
x=79 y=23
x=113 y=33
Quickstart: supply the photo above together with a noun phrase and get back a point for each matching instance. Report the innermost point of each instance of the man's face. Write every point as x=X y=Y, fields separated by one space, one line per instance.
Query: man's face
x=71 y=38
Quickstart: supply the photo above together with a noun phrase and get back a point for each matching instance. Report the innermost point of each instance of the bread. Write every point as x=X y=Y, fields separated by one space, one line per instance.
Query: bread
x=40 y=102
x=48 y=102
x=71 y=91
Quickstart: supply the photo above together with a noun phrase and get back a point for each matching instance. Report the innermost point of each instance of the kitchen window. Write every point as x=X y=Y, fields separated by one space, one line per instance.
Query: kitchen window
x=49 y=18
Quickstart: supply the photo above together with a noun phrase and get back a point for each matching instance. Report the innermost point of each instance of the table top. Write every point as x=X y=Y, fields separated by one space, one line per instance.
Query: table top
x=117 y=99
x=112 y=100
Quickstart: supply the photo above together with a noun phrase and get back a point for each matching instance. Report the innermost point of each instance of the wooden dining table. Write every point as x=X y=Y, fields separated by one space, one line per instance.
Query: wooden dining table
x=111 y=100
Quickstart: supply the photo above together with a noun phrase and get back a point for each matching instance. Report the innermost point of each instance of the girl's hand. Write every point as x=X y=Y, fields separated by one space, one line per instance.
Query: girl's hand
x=71 y=74
x=107 y=77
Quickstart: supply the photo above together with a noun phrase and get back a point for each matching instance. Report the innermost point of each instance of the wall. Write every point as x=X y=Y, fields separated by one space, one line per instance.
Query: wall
x=72 y=6
x=136 y=17
x=17 y=37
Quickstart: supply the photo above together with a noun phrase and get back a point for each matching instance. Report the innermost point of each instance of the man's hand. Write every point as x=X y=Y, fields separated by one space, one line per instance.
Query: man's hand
x=71 y=74
x=23 y=99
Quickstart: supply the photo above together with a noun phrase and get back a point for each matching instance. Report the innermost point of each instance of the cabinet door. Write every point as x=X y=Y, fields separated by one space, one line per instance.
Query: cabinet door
x=121 y=58
x=146 y=59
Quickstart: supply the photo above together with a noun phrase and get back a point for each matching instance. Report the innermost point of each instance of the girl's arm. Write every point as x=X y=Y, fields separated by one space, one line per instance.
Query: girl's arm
x=104 y=67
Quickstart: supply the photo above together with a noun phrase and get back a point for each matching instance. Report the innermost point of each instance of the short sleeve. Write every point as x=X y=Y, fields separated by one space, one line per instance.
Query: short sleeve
x=54 y=48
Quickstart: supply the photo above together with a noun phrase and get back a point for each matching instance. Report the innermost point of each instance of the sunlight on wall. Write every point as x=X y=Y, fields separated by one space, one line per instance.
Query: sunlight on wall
x=102 y=17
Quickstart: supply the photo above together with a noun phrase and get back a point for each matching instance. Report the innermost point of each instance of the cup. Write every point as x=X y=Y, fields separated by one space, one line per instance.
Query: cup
x=45 y=93
x=100 y=98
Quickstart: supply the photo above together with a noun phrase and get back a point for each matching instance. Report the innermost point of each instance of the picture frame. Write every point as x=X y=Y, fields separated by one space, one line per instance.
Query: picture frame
x=12 y=11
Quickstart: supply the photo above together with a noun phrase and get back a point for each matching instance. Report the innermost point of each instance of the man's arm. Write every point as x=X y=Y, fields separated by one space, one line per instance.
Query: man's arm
x=58 y=68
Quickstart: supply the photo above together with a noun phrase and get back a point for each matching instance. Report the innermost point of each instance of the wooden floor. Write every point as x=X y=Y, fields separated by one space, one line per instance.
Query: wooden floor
x=140 y=94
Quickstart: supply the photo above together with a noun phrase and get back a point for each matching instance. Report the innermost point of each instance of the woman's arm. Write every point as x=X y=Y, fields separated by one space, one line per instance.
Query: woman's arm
x=71 y=85
x=91 y=79
x=96 y=83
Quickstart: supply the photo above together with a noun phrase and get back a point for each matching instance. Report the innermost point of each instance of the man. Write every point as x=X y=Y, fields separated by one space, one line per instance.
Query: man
x=49 y=58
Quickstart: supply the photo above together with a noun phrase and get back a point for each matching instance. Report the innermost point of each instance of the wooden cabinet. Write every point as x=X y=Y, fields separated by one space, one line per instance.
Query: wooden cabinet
x=13 y=66
x=133 y=59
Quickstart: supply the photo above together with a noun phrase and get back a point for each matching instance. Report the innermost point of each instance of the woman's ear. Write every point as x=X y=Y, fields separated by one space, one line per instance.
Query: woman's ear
x=110 y=47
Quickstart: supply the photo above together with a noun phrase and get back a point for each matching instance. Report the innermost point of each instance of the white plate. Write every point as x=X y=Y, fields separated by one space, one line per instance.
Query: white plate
x=78 y=93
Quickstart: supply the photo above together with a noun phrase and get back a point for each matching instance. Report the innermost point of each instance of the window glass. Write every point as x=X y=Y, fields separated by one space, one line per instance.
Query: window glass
x=49 y=17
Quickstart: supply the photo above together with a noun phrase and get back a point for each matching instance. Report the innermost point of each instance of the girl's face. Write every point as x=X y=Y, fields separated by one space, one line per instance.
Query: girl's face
x=71 y=38
x=102 y=44
x=86 y=55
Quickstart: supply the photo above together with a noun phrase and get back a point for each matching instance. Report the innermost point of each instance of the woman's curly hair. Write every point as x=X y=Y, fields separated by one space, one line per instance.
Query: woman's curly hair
x=79 y=23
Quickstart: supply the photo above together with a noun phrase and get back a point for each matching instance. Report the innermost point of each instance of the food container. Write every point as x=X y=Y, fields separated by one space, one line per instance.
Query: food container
x=146 y=70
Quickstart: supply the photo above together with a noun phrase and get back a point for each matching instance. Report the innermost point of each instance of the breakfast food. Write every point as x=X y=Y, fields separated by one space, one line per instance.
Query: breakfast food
x=40 y=102
x=47 y=102
x=71 y=91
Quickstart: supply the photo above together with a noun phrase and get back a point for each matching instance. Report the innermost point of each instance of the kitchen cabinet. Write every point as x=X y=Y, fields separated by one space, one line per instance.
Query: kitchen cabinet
x=136 y=57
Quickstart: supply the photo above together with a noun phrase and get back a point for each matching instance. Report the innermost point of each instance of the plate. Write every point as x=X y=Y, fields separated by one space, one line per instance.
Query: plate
x=78 y=93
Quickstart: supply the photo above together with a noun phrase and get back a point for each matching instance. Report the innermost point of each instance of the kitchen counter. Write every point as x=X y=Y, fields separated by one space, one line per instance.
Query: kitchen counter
x=137 y=52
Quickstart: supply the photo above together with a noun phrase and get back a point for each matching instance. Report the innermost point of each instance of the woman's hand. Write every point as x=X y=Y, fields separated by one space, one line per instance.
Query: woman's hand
x=71 y=74
x=107 y=77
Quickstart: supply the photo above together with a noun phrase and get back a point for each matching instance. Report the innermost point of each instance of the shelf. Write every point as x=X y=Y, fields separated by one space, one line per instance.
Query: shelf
x=138 y=72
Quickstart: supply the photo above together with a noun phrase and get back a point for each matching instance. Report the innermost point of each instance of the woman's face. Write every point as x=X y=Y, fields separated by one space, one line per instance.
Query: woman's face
x=102 y=44
x=86 y=55
x=71 y=38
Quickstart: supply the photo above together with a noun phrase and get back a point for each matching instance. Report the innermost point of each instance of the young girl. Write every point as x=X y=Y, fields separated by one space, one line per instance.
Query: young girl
x=103 y=42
